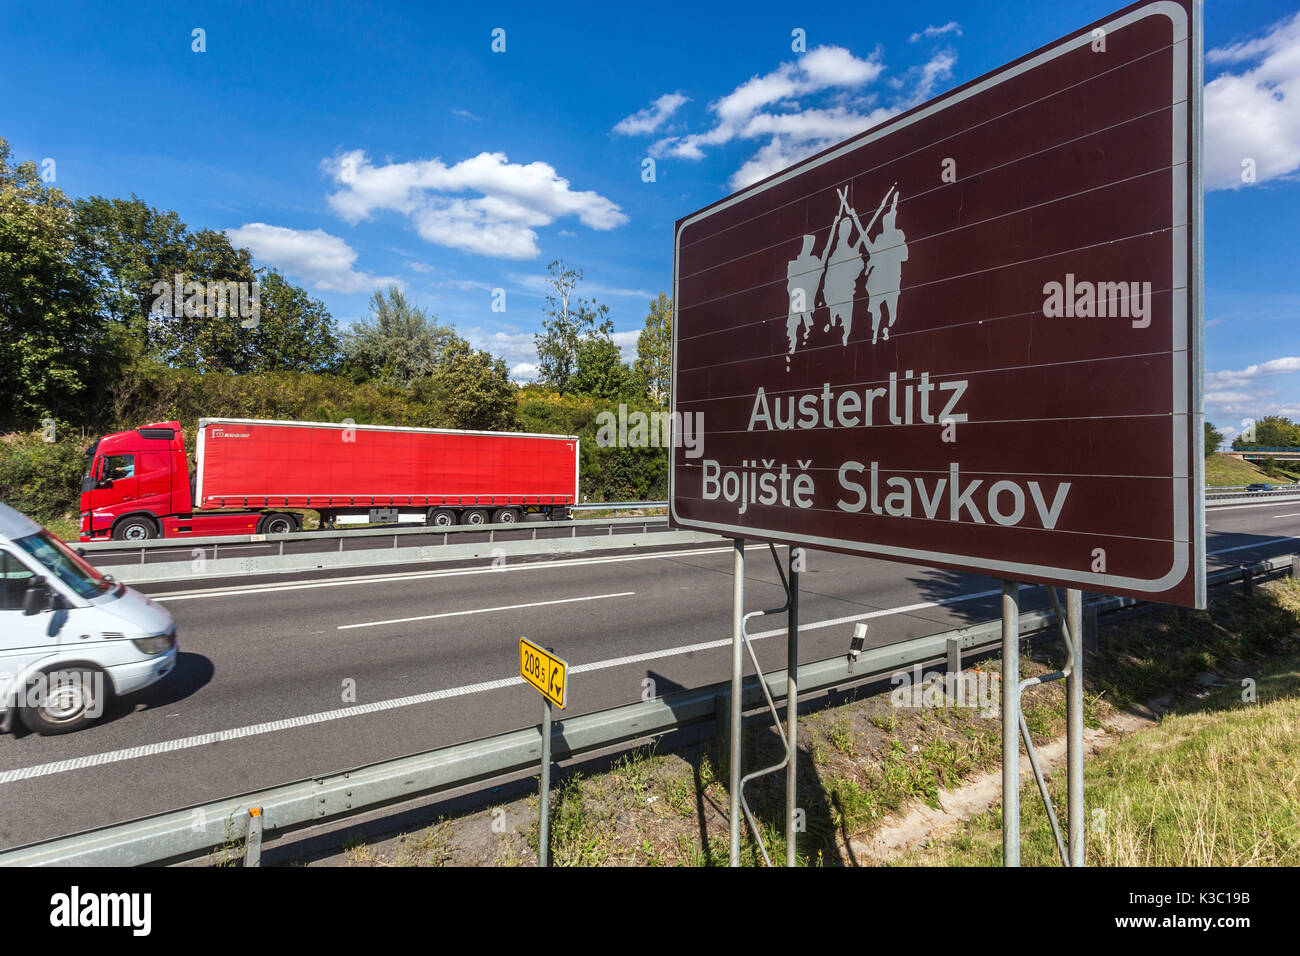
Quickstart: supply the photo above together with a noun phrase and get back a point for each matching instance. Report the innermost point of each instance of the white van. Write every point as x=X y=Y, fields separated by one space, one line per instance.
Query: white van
x=70 y=637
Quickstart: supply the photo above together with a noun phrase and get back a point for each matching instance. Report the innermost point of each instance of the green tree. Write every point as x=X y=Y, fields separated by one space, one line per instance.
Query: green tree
x=470 y=388
x=569 y=321
x=130 y=246
x=54 y=350
x=1213 y=439
x=601 y=370
x=1274 y=431
x=653 y=366
x=295 y=333
x=398 y=344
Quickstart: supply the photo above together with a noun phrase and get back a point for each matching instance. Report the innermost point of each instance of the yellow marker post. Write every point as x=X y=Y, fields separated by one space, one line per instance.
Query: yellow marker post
x=549 y=674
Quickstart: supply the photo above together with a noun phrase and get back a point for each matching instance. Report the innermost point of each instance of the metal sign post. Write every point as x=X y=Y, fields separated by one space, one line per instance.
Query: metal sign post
x=1010 y=723
x=544 y=824
x=549 y=674
x=1074 y=719
x=737 y=691
x=792 y=705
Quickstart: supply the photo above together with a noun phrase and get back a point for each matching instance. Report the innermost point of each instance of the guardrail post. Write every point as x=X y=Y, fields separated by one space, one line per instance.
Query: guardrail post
x=1295 y=565
x=722 y=728
x=737 y=691
x=1247 y=580
x=1010 y=723
x=954 y=671
x=253 y=842
x=1090 y=630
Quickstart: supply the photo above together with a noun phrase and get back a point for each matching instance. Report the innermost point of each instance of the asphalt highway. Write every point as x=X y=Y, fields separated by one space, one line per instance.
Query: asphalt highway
x=287 y=676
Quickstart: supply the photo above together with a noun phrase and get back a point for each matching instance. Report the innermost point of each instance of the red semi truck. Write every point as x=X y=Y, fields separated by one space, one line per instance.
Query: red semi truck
x=138 y=485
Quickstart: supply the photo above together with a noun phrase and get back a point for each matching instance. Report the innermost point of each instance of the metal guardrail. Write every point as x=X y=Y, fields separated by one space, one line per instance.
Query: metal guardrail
x=1252 y=497
x=158 y=544
x=618 y=505
x=199 y=830
x=503 y=541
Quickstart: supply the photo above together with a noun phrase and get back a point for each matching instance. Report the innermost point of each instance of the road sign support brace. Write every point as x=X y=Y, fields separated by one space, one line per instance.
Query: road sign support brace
x=1013 y=719
x=789 y=736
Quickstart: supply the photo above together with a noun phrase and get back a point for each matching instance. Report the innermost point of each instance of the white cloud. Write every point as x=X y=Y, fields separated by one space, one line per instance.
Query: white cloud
x=626 y=342
x=540 y=285
x=1254 y=114
x=771 y=107
x=1248 y=393
x=313 y=255
x=930 y=32
x=514 y=200
x=524 y=372
x=646 y=121
x=741 y=113
x=1227 y=398
x=1230 y=379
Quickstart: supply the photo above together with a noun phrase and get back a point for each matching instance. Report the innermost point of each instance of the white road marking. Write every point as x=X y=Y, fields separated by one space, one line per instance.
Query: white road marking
x=485 y=610
x=359 y=710
x=1294 y=514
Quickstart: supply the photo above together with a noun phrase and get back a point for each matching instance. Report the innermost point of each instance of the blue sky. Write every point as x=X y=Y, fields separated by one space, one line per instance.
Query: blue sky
x=355 y=145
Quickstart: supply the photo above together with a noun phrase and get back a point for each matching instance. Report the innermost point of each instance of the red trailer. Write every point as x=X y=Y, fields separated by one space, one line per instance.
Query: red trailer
x=138 y=484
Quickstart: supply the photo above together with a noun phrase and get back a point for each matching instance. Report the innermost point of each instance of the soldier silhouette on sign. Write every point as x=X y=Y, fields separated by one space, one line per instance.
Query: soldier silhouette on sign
x=835 y=274
x=885 y=274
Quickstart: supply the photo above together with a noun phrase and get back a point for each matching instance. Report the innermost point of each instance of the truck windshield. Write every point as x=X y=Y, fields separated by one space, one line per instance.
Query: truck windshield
x=64 y=563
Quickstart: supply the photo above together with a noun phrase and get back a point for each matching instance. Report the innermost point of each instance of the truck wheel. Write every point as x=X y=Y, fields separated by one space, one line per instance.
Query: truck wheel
x=474 y=516
x=279 y=524
x=505 y=516
x=137 y=528
x=441 y=518
x=70 y=699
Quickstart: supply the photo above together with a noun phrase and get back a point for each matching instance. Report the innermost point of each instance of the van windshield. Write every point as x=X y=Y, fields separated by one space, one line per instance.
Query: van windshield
x=64 y=563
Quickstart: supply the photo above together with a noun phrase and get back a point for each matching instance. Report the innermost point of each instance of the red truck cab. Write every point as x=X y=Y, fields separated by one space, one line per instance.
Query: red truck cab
x=136 y=486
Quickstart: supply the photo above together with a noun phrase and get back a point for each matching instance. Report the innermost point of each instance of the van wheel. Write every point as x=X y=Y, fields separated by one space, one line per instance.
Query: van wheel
x=441 y=518
x=279 y=524
x=138 y=528
x=61 y=700
x=505 y=516
x=474 y=516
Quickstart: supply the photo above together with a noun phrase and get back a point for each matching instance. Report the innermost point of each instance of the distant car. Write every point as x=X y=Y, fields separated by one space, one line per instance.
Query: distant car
x=1259 y=486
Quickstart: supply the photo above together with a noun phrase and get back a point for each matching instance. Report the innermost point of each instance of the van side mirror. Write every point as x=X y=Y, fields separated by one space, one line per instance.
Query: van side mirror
x=37 y=597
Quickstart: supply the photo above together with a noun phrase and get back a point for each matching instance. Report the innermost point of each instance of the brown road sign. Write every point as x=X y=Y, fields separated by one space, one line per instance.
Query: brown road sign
x=969 y=337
